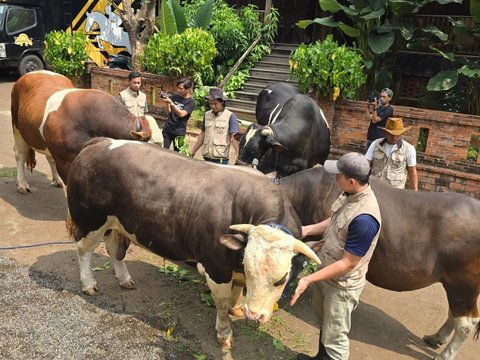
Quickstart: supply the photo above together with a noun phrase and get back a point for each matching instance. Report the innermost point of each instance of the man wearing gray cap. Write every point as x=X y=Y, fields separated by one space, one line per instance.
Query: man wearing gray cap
x=350 y=237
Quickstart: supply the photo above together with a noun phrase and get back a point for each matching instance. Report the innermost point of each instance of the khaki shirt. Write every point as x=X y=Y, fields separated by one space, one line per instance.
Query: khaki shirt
x=393 y=168
x=345 y=209
x=217 y=135
x=136 y=103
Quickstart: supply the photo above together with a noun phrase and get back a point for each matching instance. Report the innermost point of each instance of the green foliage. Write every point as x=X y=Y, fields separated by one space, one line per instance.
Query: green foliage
x=187 y=54
x=230 y=39
x=182 y=145
x=472 y=153
x=66 y=52
x=378 y=27
x=173 y=19
x=328 y=69
x=251 y=22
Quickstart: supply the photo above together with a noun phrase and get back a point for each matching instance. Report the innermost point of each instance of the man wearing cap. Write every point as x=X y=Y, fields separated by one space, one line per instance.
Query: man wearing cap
x=218 y=130
x=350 y=236
x=392 y=158
x=378 y=113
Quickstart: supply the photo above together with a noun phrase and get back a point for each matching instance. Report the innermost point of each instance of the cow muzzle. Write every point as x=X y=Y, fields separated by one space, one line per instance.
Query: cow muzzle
x=254 y=163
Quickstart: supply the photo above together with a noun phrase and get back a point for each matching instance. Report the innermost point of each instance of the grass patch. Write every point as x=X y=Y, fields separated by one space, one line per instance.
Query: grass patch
x=8 y=172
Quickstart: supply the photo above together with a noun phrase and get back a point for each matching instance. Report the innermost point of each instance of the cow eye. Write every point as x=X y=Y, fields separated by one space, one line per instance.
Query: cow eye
x=282 y=281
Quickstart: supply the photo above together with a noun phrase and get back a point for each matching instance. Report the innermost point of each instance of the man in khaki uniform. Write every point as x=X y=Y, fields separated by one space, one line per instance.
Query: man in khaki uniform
x=350 y=237
x=136 y=102
x=392 y=158
x=218 y=130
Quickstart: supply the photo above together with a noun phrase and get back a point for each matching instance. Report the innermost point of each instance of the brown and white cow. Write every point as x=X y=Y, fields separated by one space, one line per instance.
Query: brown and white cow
x=426 y=237
x=184 y=210
x=51 y=116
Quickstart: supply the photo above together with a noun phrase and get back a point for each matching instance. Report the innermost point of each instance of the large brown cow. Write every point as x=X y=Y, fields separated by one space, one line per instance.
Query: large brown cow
x=183 y=210
x=51 y=116
x=426 y=237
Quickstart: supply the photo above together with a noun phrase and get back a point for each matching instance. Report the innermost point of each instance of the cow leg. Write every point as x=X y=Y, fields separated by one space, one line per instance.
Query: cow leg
x=221 y=294
x=440 y=337
x=112 y=243
x=463 y=328
x=85 y=248
x=56 y=180
x=21 y=149
x=236 y=303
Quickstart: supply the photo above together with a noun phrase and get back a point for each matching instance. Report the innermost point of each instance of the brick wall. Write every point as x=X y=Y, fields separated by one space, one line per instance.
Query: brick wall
x=115 y=80
x=443 y=165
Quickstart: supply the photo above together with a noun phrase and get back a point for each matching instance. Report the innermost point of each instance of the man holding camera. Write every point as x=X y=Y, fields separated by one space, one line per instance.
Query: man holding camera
x=179 y=107
x=379 y=110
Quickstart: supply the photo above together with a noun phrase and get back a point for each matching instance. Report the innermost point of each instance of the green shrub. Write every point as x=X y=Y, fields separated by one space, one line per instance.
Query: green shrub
x=187 y=54
x=328 y=69
x=66 y=52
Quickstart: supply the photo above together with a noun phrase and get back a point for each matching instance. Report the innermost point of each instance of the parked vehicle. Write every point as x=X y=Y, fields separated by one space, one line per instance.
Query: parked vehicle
x=23 y=25
x=119 y=61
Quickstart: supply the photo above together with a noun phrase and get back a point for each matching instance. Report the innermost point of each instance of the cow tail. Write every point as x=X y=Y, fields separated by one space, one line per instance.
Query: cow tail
x=72 y=229
x=477 y=332
x=31 y=161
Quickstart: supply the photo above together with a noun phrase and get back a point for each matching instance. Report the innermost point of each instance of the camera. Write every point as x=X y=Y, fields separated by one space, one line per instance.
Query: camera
x=373 y=97
x=164 y=95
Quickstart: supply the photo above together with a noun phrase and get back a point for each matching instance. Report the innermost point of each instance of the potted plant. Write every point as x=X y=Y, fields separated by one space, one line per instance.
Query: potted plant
x=327 y=69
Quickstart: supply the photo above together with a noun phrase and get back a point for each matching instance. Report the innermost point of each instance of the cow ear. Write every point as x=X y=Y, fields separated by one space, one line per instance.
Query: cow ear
x=238 y=136
x=277 y=147
x=137 y=135
x=233 y=241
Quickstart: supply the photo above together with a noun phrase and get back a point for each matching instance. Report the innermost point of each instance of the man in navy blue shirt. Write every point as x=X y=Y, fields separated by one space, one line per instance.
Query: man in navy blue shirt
x=350 y=236
x=378 y=113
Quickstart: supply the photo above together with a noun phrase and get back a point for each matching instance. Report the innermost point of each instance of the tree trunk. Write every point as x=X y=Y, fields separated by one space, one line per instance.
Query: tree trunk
x=139 y=26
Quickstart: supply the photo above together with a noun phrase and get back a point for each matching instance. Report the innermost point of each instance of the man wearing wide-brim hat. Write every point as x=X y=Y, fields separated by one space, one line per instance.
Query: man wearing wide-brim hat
x=392 y=158
x=218 y=129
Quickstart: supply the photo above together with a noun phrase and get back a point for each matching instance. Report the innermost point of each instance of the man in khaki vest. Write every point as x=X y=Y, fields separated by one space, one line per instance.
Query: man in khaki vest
x=392 y=158
x=218 y=130
x=350 y=237
x=136 y=102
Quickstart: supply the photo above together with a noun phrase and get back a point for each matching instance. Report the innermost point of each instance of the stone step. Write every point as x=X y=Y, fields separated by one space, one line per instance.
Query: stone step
x=281 y=63
x=246 y=95
x=268 y=76
x=243 y=114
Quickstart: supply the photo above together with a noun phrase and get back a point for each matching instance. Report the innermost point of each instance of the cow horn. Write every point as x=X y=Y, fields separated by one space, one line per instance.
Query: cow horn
x=138 y=125
x=266 y=131
x=246 y=228
x=303 y=248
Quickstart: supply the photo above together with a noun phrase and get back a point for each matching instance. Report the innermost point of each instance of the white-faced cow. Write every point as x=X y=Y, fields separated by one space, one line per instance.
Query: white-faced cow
x=426 y=237
x=298 y=139
x=51 y=116
x=270 y=101
x=184 y=210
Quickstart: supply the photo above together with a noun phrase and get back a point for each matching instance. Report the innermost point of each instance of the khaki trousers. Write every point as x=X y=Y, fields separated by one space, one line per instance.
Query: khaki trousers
x=333 y=307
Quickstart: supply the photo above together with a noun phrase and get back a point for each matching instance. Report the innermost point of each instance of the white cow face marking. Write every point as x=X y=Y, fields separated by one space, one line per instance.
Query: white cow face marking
x=267 y=263
x=249 y=135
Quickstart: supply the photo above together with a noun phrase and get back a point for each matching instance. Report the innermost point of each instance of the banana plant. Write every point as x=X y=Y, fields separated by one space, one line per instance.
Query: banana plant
x=374 y=25
x=172 y=19
x=463 y=70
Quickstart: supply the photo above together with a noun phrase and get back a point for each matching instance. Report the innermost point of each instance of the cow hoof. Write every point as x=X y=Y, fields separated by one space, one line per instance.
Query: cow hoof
x=225 y=343
x=432 y=341
x=237 y=312
x=56 y=184
x=90 y=291
x=24 y=190
x=128 y=284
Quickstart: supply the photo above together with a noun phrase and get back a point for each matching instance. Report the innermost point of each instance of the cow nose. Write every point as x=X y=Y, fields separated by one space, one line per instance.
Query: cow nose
x=254 y=316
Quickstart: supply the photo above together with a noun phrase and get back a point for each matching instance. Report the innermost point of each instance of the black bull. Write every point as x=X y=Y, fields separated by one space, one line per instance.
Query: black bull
x=426 y=237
